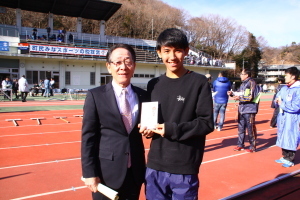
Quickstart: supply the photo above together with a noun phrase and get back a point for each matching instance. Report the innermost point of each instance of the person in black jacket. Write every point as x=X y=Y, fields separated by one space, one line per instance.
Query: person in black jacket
x=185 y=117
x=281 y=83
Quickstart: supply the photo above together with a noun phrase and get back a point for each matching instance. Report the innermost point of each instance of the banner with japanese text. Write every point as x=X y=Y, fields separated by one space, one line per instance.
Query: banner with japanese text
x=67 y=50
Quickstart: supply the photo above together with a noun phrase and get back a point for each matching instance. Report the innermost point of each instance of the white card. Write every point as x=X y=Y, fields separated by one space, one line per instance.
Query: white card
x=149 y=115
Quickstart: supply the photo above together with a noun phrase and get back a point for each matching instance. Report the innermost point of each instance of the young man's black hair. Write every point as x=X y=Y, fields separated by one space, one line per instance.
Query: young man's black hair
x=293 y=71
x=172 y=37
x=223 y=73
x=281 y=79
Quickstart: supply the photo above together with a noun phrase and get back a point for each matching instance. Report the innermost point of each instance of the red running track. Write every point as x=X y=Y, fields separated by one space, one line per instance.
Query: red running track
x=43 y=161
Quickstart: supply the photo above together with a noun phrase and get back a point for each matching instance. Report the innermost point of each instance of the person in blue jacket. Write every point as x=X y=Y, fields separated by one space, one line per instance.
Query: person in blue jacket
x=288 y=120
x=222 y=85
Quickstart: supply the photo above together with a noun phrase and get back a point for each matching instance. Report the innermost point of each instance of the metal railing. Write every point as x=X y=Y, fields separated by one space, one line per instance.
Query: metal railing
x=7 y=30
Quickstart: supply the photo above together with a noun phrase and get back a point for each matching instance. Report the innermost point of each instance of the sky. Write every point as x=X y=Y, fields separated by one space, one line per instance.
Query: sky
x=278 y=21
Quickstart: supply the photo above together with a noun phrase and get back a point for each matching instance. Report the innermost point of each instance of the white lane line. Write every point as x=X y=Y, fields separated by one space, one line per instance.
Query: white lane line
x=38 y=145
x=259 y=149
x=39 y=133
x=40 y=163
x=35 y=125
x=81 y=187
x=53 y=192
x=235 y=135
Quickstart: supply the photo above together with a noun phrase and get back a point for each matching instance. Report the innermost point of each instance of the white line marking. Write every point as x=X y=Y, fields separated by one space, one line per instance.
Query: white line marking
x=41 y=163
x=234 y=135
x=209 y=161
x=47 y=193
x=38 y=133
x=72 y=123
x=38 y=145
x=81 y=187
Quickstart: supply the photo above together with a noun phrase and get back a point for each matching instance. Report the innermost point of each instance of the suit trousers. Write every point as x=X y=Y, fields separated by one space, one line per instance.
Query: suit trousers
x=247 y=122
x=128 y=191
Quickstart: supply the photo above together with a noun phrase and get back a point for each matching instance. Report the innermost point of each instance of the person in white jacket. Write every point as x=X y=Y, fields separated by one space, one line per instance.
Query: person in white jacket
x=23 y=88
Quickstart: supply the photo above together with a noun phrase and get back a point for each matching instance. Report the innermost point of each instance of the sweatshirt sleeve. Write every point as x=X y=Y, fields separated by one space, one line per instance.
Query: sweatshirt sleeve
x=200 y=126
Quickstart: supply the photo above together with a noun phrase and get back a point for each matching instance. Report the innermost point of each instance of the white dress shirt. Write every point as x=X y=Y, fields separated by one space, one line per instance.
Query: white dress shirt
x=131 y=97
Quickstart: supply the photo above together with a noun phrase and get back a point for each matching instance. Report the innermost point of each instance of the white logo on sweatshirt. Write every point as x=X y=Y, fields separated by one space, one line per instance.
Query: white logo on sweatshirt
x=180 y=98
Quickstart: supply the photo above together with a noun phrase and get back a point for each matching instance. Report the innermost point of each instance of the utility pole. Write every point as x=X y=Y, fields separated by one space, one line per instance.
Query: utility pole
x=152 y=28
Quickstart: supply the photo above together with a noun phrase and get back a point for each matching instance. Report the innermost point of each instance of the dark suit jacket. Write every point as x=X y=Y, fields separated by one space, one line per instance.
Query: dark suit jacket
x=105 y=141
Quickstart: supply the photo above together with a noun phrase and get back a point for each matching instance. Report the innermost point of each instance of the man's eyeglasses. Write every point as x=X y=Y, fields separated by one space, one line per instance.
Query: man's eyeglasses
x=128 y=63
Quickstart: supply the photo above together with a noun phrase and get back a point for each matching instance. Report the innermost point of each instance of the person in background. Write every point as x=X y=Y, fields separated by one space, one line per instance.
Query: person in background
x=112 y=150
x=233 y=87
x=52 y=82
x=208 y=76
x=47 y=87
x=42 y=87
x=185 y=117
x=34 y=34
x=221 y=86
x=265 y=88
x=23 y=88
x=281 y=83
x=15 y=88
x=6 y=87
x=247 y=110
x=48 y=33
x=288 y=121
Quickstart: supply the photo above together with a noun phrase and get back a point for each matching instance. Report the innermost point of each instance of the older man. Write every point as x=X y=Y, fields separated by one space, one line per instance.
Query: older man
x=246 y=111
x=112 y=150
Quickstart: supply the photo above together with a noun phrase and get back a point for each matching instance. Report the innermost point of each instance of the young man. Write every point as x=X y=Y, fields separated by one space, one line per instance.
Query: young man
x=288 y=133
x=112 y=150
x=221 y=86
x=185 y=118
x=246 y=112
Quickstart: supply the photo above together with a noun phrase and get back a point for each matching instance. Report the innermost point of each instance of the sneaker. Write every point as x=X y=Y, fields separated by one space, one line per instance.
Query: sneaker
x=250 y=150
x=216 y=127
x=238 y=148
x=280 y=160
x=219 y=129
x=288 y=164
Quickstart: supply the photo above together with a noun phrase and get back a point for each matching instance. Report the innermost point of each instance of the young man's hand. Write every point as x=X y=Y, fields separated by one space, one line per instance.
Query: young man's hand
x=160 y=129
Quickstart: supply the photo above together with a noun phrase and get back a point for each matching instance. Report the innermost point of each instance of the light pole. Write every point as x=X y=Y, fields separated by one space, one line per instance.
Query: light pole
x=243 y=63
x=279 y=73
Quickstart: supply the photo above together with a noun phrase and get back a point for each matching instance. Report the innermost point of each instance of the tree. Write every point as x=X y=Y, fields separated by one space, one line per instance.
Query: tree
x=215 y=35
x=250 y=56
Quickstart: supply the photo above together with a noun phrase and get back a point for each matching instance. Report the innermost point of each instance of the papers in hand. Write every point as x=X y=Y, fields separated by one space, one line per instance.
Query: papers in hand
x=214 y=93
x=149 y=115
x=110 y=193
x=237 y=93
